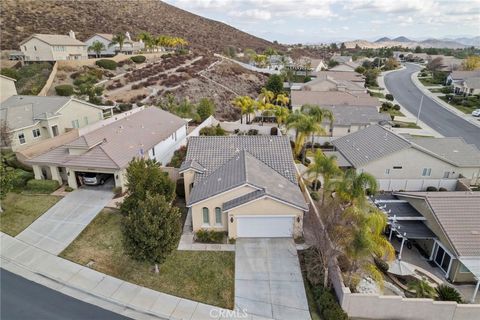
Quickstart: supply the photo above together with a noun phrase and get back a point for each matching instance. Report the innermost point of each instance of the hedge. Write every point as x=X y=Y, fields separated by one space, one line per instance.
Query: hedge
x=64 y=90
x=138 y=59
x=209 y=236
x=106 y=64
x=328 y=305
x=21 y=177
x=42 y=186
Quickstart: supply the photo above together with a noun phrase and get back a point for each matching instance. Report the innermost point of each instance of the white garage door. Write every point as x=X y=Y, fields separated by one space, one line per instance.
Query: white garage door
x=264 y=226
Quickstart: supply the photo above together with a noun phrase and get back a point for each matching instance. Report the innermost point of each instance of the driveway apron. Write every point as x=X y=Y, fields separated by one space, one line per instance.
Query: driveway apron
x=268 y=279
x=62 y=223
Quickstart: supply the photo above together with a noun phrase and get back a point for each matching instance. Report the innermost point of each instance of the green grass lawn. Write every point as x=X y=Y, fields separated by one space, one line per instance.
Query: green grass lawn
x=20 y=210
x=204 y=276
x=376 y=94
x=393 y=112
x=429 y=82
x=403 y=124
x=467 y=109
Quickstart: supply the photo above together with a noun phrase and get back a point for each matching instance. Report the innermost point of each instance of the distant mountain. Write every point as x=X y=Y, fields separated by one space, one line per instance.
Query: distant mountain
x=474 y=41
x=20 y=18
x=436 y=43
x=383 y=39
x=402 y=39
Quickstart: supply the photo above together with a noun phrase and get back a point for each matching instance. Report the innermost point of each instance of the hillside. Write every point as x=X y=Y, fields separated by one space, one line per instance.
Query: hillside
x=405 y=42
x=20 y=18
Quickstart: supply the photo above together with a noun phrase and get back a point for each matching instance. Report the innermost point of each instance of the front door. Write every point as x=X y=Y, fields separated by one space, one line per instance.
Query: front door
x=55 y=130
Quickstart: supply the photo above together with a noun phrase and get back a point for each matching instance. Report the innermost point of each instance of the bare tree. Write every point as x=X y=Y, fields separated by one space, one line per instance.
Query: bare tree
x=5 y=135
x=435 y=64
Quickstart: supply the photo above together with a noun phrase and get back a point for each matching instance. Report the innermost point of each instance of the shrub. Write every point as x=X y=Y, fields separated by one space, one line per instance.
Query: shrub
x=20 y=178
x=442 y=189
x=178 y=157
x=447 y=293
x=106 y=64
x=389 y=97
x=212 y=131
x=396 y=107
x=328 y=306
x=210 y=236
x=431 y=188
x=387 y=105
x=252 y=132
x=9 y=72
x=11 y=160
x=138 y=59
x=447 y=90
x=117 y=191
x=125 y=107
x=68 y=189
x=381 y=265
x=64 y=90
x=180 y=189
x=274 y=131
x=315 y=196
x=42 y=186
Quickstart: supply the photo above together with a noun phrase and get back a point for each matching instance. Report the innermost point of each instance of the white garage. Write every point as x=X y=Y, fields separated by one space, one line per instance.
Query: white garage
x=265 y=226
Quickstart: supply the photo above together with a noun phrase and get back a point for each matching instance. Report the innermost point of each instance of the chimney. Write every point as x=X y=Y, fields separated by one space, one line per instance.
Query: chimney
x=127 y=34
x=71 y=34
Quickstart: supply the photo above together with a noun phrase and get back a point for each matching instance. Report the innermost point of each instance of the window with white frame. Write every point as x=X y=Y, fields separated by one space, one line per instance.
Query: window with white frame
x=426 y=172
x=206 y=218
x=75 y=124
x=21 y=138
x=218 y=216
x=36 y=133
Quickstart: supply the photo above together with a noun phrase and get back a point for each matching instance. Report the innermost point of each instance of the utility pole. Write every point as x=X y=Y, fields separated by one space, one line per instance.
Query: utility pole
x=419 y=109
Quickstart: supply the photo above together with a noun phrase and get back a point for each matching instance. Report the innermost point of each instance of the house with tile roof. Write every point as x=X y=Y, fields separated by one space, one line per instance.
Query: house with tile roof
x=243 y=185
x=53 y=47
x=454 y=219
x=331 y=98
x=31 y=119
x=129 y=46
x=408 y=162
x=149 y=133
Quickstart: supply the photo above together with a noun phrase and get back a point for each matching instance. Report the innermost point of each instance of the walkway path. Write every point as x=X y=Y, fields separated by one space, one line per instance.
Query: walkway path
x=63 y=222
x=268 y=279
x=97 y=288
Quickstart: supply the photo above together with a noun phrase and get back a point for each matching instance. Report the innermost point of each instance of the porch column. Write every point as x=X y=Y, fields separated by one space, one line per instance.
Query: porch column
x=475 y=292
x=449 y=267
x=72 y=181
x=56 y=174
x=37 y=171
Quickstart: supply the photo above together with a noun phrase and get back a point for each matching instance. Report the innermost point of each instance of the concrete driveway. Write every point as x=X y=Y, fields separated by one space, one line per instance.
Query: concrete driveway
x=268 y=279
x=63 y=222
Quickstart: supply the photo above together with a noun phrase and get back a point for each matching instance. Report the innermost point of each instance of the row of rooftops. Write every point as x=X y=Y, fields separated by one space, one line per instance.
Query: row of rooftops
x=70 y=39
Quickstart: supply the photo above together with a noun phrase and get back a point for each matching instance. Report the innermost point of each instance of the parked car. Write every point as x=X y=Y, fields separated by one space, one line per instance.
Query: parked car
x=93 y=179
x=476 y=113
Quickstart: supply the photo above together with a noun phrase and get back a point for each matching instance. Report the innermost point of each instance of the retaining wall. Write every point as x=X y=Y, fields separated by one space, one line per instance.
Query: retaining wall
x=49 y=82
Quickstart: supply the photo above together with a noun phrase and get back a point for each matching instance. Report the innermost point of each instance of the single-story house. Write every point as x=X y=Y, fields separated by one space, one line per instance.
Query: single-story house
x=407 y=162
x=149 y=133
x=7 y=87
x=341 y=75
x=345 y=64
x=35 y=118
x=53 y=47
x=331 y=98
x=455 y=219
x=341 y=59
x=449 y=63
x=244 y=185
x=465 y=82
x=328 y=83
x=129 y=46
x=458 y=76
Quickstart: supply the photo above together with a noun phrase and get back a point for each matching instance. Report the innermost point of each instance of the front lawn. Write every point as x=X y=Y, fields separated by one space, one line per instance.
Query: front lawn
x=204 y=276
x=393 y=112
x=403 y=124
x=20 y=210
x=465 y=104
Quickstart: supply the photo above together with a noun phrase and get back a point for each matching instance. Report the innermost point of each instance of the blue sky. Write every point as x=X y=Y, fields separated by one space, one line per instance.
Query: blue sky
x=315 y=21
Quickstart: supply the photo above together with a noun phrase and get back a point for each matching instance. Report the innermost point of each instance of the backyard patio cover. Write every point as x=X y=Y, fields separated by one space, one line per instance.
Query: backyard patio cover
x=473 y=264
x=414 y=229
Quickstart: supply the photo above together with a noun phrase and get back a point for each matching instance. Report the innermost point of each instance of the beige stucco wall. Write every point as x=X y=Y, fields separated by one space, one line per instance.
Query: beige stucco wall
x=7 y=88
x=188 y=177
x=211 y=204
x=265 y=206
x=412 y=162
x=29 y=139
x=46 y=52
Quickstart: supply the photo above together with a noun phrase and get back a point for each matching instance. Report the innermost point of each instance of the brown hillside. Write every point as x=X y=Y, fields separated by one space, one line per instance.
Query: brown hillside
x=21 y=18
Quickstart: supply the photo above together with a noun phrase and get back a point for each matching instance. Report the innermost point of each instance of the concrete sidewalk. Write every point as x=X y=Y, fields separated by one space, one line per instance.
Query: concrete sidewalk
x=100 y=289
x=61 y=224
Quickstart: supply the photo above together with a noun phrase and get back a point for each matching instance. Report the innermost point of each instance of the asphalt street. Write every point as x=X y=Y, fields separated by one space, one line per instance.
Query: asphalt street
x=400 y=84
x=24 y=299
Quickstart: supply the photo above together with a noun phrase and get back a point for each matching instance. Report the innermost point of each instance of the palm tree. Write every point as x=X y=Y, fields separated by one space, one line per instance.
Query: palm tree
x=282 y=100
x=304 y=126
x=147 y=39
x=97 y=47
x=246 y=105
x=325 y=166
x=319 y=114
x=266 y=95
x=353 y=188
x=119 y=39
x=422 y=289
x=281 y=114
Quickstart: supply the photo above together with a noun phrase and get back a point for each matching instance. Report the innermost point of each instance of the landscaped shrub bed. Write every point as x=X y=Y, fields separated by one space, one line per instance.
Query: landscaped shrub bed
x=20 y=178
x=138 y=59
x=107 y=64
x=64 y=90
x=42 y=186
x=210 y=236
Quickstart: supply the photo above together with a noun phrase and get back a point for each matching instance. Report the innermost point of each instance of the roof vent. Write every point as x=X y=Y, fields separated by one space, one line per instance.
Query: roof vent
x=455 y=150
x=219 y=179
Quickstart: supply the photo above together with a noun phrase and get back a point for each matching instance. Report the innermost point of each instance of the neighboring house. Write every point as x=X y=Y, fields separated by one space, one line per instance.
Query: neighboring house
x=129 y=46
x=341 y=59
x=244 y=185
x=446 y=225
x=149 y=133
x=53 y=47
x=328 y=83
x=345 y=67
x=331 y=98
x=409 y=163
x=341 y=76
x=7 y=87
x=277 y=61
x=465 y=82
x=35 y=118
x=449 y=63
x=307 y=65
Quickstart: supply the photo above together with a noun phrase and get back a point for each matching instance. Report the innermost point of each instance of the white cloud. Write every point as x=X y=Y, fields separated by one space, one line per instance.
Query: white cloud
x=252 y=14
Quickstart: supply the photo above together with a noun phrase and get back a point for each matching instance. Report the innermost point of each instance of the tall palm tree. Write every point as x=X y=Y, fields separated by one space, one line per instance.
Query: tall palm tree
x=266 y=95
x=353 y=187
x=119 y=39
x=319 y=114
x=281 y=114
x=97 y=47
x=282 y=100
x=246 y=106
x=325 y=166
x=147 y=39
x=304 y=126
